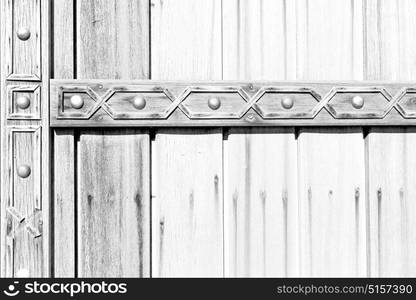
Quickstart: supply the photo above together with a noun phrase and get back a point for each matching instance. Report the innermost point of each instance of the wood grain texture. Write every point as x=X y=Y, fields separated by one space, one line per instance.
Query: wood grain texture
x=23 y=56
x=187 y=206
x=187 y=164
x=64 y=169
x=64 y=203
x=258 y=39
x=46 y=136
x=63 y=39
x=113 y=204
x=391 y=166
x=113 y=42
x=25 y=239
x=113 y=39
x=332 y=49
x=260 y=203
x=186 y=39
x=331 y=162
x=390 y=34
x=25 y=255
x=332 y=202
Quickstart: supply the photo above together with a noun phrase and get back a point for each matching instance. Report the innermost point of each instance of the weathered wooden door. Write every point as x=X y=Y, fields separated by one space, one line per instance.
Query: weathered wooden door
x=299 y=168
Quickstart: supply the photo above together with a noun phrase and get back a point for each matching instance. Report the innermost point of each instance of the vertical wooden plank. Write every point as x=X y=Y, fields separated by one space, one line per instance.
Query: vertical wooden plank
x=187 y=163
x=332 y=202
x=45 y=223
x=25 y=214
x=63 y=39
x=331 y=162
x=257 y=40
x=391 y=165
x=64 y=203
x=391 y=35
x=64 y=147
x=113 y=42
x=186 y=39
x=187 y=203
x=260 y=204
x=113 y=204
x=113 y=39
x=329 y=39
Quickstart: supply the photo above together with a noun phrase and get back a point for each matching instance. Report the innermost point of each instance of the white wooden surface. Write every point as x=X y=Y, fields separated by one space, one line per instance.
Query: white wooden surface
x=64 y=150
x=187 y=204
x=64 y=203
x=332 y=203
x=391 y=166
x=260 y=209
x=391 y=35
x=187 y=181
x=260 y=195
x=225 y=202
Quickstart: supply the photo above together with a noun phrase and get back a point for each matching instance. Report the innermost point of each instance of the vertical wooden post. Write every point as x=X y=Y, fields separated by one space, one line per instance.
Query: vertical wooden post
x=24 y=134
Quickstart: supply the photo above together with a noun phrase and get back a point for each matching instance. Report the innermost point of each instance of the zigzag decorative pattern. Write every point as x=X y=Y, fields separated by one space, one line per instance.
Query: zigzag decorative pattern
x=231 y=103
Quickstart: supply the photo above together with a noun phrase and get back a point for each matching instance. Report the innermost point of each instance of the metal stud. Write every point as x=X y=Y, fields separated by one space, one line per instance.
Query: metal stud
x=23 y=171
x=357 y=102
x=287 y=103
x=23 y=102
x=214 y=103
x=139 y=102
x=23 y=33
x=77 y=102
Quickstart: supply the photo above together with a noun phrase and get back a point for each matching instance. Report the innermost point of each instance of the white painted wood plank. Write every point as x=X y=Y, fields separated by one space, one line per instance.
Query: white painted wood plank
x=64 y=203
x=46 y=222
x=187 y=163
x=256 y=43
x=332 y=202
x=63 y=39
x=186 y=39
x=331 y=162
x=187 y=205
x=260 y=204
x=64 y=199
x=329 y=36
x=391 y=173
x=391 y=34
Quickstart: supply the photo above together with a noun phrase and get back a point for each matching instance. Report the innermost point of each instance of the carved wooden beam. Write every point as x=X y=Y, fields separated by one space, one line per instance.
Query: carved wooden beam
x=24 y=131
x=150 y=103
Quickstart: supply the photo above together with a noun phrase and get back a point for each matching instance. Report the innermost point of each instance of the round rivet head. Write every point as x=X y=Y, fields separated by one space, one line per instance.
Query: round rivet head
x=23 y=33
x=77 y=102
x=139 y=102
x=23 y=171
x=287 y=102
x=23 y=102
x=357 y=102
x=214 y=103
